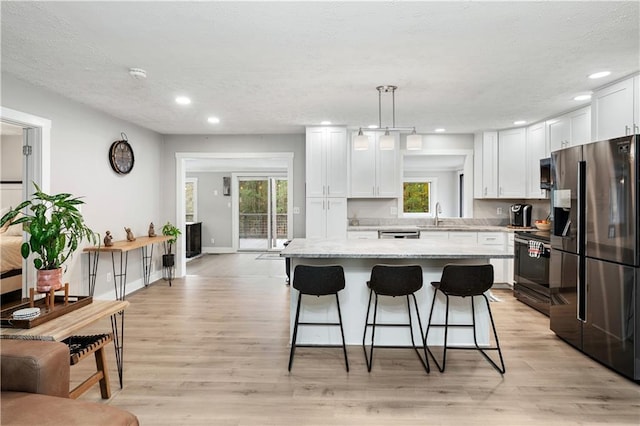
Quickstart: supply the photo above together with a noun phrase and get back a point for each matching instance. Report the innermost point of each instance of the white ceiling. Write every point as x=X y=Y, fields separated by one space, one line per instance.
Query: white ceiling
x=274 y=67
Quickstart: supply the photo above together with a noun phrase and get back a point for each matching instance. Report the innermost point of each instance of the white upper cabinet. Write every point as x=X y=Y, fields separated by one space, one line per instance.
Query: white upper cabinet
x=375 y=171
x=326 y=162
x=570 y=129
x=536 y=150
x=511 y=163
x=559 y=133
x=485 y=165
x=616 y=109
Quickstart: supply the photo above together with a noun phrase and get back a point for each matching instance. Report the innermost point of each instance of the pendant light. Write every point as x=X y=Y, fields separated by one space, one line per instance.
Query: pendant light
x=361 y=142
x=414 y=141
x=387 y=142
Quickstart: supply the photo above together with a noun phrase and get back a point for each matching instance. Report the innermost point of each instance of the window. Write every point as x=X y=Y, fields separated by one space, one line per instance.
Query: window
x=418 y=195
x=191 y=199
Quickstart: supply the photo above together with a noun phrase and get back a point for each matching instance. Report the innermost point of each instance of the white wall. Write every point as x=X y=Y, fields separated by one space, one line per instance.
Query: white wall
x=11 y=157
x=80 y=141
x=10 y=170
x=214 y=210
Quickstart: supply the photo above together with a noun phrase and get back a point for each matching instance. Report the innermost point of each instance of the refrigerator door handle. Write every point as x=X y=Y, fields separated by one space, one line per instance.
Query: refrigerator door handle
x=581 y=220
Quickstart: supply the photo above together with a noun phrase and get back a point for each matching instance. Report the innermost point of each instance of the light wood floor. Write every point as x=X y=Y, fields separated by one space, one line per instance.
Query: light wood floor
x=213 y=350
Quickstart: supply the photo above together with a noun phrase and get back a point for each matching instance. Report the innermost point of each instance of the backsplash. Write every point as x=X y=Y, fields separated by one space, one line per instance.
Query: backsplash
x=384 y=212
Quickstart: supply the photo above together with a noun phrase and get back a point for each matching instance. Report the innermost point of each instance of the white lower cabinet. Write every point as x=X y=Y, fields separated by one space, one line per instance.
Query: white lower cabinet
x=500 y=266
x=326 y=218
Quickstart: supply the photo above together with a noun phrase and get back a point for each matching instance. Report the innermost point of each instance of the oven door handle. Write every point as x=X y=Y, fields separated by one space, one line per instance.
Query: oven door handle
x=520 y=240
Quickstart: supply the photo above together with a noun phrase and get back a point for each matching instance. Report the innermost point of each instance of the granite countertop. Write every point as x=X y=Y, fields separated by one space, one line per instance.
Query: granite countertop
x=390 y=249
x=431 y=228
x=446 y=224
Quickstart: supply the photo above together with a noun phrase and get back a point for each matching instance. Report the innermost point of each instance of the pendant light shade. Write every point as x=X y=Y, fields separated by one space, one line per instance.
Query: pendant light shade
x=361 y=142
x=387 y=142
x=414 y=141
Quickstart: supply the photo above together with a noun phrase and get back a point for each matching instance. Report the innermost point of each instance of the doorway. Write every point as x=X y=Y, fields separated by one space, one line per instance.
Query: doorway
x=36 y=151
x=262 y=213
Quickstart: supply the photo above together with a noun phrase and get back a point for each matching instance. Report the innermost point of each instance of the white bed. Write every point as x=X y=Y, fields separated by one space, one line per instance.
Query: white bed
x=10 y=263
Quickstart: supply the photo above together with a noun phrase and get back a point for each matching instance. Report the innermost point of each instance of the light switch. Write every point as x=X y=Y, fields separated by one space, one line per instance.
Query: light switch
x=296 y=210
x=215 y=192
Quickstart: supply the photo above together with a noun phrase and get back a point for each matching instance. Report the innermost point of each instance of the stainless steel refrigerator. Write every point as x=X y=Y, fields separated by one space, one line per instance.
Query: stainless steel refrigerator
x=595 y=260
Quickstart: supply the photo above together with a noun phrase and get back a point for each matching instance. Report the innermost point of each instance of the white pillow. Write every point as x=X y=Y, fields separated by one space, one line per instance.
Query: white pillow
x=14 y=230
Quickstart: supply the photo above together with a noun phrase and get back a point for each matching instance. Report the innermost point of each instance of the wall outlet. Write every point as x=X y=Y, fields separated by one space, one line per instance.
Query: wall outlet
x=499 y=210
x=109 y=277
x=393 y=210
x=296 y=210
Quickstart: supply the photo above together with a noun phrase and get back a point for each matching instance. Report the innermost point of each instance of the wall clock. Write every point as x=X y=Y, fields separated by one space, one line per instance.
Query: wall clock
x=121 y=156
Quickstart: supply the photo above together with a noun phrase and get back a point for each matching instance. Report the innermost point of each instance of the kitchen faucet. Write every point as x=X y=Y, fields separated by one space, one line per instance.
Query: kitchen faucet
x=436 y=219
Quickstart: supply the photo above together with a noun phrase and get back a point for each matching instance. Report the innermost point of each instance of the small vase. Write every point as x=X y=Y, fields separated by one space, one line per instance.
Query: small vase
x=49 y=279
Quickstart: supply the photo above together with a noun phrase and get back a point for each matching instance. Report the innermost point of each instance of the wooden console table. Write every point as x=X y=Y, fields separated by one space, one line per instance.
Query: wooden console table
x=120 y=273
x=69 y=324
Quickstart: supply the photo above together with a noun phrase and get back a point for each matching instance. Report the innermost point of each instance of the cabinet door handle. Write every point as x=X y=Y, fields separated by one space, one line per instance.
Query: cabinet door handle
x=626 y=130
x=323 y=206
x=636 y=129
x=328 y=204
x=485 y=191
x=328 y=190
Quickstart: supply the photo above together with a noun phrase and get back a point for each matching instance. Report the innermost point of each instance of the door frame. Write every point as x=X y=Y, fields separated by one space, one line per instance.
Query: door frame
x=181 y=159
x=36 y=167
x=235 y=203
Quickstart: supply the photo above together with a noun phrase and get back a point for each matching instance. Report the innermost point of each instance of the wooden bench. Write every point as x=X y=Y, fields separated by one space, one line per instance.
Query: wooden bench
x=82 y=346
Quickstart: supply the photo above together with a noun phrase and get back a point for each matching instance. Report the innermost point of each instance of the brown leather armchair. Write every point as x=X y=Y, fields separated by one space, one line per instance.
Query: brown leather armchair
x=35 y=388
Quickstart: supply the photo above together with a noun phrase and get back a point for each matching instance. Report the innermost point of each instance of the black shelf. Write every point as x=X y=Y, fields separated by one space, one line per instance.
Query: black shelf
x=194 y=239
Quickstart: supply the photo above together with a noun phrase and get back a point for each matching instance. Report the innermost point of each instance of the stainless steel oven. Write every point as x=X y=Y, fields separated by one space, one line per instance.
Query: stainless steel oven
x=531 y=269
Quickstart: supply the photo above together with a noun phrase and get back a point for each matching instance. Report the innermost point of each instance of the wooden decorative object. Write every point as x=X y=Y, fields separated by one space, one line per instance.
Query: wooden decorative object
x=152 y=231
x=108 y=239
x=130 y=236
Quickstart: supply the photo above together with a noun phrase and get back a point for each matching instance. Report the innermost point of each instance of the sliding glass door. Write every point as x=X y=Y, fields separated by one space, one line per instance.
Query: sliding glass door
x=262 y=210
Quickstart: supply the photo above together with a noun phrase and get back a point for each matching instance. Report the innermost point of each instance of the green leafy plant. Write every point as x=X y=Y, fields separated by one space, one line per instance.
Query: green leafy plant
x=169 y=230
x=55 y=227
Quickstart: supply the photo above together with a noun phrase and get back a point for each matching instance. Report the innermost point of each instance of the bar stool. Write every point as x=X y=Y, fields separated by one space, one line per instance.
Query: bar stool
x=318 y=281
x=394 y=281
x=464 y=281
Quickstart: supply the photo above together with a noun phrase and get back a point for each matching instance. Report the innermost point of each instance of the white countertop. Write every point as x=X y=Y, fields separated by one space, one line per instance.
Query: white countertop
x=431 y=228
x=391 y=249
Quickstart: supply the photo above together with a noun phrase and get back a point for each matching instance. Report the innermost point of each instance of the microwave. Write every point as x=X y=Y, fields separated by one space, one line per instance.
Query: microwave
x=545 y=173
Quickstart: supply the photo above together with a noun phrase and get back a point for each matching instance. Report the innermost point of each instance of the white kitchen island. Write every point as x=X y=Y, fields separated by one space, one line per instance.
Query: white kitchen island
x=358 y=257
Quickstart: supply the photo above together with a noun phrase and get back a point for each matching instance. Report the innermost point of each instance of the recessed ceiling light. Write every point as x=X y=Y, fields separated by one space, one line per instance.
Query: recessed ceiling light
x=600 y=74
x=519 y=122
x=213 y=120
x=325 y=123
x=582 y=98
x=183 y=100
x=372 y=126
x=440 y=130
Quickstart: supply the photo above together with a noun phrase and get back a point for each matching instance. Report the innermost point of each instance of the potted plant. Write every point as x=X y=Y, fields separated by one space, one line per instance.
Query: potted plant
x=168 y=259
x=55 y=227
